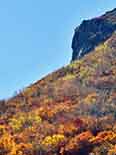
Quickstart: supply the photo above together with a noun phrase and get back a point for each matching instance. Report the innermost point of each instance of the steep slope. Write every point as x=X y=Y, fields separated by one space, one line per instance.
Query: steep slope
x=69 y=112
x=92 y=32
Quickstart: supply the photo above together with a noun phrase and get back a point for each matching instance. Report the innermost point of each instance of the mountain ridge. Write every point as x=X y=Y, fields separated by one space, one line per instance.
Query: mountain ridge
x=70 y=111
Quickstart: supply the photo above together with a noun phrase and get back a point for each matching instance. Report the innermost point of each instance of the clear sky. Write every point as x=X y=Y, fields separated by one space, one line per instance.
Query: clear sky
x=35 y=37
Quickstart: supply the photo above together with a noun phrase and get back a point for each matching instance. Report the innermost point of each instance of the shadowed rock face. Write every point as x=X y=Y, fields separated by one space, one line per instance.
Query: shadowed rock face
x=91 y=33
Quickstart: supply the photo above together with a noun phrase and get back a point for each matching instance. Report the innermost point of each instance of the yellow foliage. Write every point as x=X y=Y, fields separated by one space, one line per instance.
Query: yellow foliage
x=53 y=140
x=76 y=64
x=91 y=98
x=69 y=77
x=112 y=151
x=7 y=144
x=18 y=122
x=9 y=147
x=2 y=129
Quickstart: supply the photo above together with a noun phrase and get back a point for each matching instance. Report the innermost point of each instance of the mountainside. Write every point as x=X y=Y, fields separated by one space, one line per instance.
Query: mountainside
x=93 y=32
x=72 y=111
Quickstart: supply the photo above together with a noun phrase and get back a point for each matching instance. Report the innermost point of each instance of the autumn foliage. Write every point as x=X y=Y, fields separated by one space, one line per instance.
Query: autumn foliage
x=69 y=112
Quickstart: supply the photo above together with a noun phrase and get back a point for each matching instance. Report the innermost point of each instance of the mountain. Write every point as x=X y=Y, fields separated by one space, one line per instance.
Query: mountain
x=71 y=111
x=93 y=32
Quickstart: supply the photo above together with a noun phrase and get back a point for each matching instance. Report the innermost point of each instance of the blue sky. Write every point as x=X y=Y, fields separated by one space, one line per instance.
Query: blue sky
x=35 y=37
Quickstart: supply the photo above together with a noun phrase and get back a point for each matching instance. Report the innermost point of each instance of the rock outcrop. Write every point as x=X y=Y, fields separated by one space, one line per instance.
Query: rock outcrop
x=93 y=32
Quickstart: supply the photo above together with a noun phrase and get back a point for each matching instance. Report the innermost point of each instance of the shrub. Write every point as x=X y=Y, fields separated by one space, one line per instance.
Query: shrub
x=24 y=120
x=53 y=140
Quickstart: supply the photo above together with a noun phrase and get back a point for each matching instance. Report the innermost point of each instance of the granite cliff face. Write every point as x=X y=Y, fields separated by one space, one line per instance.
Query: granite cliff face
x=93 y=32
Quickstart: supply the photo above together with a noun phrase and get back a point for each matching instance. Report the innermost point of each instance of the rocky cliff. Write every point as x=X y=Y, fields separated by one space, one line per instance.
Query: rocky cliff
x=92 y=33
